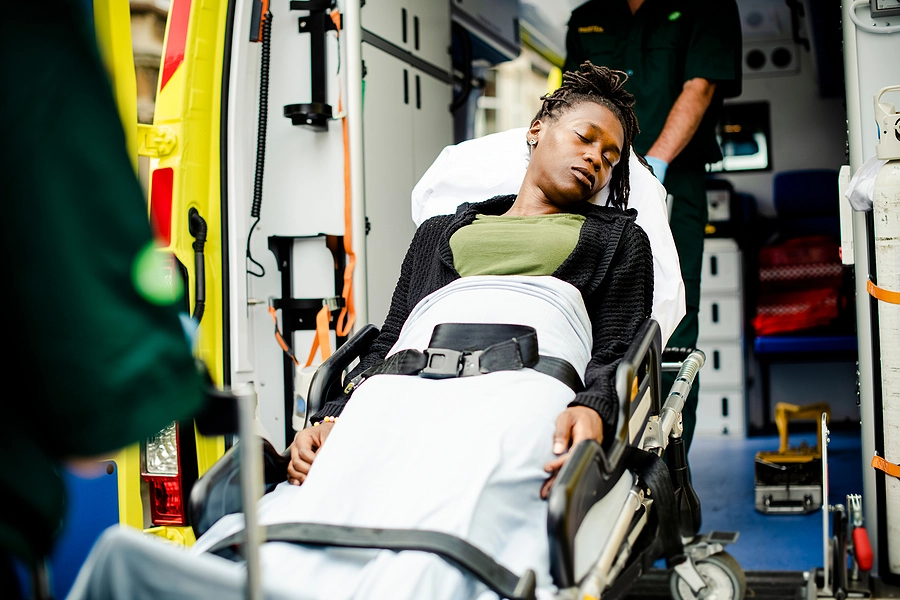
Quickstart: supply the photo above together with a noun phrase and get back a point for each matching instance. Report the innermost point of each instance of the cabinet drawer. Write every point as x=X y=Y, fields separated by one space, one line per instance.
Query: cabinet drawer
x=721 y=267
x=720 y=412
x=724 y=364
x=720 y=317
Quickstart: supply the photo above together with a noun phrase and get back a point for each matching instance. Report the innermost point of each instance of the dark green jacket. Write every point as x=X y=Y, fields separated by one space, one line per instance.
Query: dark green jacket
x=91 y=364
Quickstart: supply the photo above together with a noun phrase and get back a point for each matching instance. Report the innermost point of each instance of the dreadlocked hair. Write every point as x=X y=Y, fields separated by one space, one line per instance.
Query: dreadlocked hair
x=603 y=86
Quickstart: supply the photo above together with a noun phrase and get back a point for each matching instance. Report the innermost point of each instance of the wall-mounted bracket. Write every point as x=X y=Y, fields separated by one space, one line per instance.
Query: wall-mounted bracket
x=317 y=23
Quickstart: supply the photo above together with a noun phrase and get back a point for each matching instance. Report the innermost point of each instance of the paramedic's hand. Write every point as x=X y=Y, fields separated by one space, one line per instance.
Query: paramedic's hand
x=573 y=425
x=659 y=167
x=304 y=448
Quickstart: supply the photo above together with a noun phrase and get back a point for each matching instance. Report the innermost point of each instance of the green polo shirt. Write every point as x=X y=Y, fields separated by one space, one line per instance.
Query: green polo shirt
x=662 y=45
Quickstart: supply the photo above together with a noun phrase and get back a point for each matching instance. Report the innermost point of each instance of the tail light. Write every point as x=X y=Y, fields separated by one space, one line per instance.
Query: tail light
x=169 y=466
x=162 y=183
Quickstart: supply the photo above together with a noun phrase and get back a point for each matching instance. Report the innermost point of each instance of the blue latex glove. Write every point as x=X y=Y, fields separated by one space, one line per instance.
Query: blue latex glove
x=191 y=330
x=659 y=167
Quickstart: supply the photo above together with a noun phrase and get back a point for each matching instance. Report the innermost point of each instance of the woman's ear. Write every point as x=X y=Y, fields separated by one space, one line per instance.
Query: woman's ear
x=533 y=132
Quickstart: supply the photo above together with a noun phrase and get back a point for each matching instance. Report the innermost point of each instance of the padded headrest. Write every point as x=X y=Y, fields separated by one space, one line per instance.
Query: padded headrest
x=494 y=165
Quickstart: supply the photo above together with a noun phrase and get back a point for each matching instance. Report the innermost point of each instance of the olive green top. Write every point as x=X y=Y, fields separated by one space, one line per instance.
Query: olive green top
x=515 y=245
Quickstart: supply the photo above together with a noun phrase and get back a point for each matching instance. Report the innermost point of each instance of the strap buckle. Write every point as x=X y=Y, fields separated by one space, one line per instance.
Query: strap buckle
x=443 y=363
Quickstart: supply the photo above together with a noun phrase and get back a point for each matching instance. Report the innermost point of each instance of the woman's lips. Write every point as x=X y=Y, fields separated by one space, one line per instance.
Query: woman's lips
x=584 y=175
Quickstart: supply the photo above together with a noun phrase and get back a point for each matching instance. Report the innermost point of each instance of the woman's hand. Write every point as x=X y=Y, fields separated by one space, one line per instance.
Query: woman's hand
x=573 y=425
x=304 y=448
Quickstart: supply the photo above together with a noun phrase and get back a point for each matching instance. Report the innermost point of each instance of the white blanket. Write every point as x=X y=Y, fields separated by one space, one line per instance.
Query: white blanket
x=463 y=456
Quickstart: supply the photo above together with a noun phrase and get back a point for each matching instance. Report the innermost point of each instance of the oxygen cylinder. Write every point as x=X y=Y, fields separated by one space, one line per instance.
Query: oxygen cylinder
x=886 y=212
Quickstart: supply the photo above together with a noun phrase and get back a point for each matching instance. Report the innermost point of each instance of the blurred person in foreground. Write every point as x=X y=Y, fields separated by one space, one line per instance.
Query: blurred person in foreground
x=96 y=356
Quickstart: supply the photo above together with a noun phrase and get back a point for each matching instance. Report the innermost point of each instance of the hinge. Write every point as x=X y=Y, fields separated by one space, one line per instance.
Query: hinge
x=155 y=141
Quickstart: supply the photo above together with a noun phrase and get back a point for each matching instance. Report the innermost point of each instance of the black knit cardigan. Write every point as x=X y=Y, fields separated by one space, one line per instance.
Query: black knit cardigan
x=611 y=266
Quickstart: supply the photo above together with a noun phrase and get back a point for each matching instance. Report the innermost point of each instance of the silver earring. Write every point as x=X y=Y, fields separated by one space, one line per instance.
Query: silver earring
x=532 y=141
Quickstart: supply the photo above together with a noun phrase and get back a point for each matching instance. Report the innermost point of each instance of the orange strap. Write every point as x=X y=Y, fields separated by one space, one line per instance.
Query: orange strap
x=347 y=316
x=888 y=468
x=882 y=294
x=322 y=339
x=280 y=339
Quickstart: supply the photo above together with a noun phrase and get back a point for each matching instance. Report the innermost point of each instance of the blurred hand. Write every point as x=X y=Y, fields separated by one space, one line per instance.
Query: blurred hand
x=573 y=425
x=304 y=448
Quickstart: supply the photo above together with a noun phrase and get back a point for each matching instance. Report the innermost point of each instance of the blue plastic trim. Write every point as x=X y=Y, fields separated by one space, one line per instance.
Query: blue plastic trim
x=800 y=344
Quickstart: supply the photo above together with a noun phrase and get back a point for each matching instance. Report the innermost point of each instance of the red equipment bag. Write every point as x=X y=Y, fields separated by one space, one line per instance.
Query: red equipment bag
x=800 y=285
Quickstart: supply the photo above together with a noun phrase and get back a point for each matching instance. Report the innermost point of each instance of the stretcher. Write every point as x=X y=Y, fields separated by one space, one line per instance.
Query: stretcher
x=612 y=513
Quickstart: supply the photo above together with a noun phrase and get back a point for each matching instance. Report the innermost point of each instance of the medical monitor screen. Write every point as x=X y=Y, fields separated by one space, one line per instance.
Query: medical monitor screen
x=743 y=134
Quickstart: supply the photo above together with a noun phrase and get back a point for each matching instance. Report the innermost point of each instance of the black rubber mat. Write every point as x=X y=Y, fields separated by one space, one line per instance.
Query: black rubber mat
x=766 y=585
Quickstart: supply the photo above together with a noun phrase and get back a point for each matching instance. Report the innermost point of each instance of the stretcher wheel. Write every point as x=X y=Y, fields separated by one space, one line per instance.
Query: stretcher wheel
x=723 y=575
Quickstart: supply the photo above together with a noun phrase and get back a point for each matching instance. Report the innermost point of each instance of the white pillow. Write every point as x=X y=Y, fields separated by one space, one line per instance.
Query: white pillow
x=495 y=164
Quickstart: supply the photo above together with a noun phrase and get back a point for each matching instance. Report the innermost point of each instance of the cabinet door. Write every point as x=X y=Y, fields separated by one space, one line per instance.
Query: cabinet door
x=429 y=34
x=720 y=412
x=432 y=121
x=724 y=364
x=721 y=266
x=388 y=154
x=720 y=317
x=389 y=19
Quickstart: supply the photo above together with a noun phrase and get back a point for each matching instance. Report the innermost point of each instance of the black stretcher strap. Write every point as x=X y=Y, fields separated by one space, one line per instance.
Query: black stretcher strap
x=655 y=474
x=454 y=550
x=467 y=349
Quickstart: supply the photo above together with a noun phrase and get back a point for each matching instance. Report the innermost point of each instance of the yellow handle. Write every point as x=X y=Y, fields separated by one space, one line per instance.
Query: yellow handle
x=786 y=412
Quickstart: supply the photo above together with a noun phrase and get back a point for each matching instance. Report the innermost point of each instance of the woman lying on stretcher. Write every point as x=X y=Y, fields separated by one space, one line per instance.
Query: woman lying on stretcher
x=467 y=456
x=580 y=141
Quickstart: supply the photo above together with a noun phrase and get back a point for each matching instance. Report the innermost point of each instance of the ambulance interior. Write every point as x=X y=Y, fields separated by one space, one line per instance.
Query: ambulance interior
x=321 y=124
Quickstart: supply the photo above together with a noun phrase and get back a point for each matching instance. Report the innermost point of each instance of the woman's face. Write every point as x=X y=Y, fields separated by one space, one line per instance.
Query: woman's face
x=575 y=153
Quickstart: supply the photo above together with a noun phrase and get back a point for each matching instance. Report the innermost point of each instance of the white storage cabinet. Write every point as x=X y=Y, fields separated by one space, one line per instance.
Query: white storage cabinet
x=721 y=407
x=406 y=124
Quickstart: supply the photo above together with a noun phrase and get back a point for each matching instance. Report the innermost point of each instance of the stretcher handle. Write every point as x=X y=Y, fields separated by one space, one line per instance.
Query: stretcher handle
x=326 y=381
x=786 y=412
x=640 y=364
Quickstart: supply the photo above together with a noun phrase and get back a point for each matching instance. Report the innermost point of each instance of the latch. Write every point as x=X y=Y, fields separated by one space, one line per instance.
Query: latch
x=155 y=141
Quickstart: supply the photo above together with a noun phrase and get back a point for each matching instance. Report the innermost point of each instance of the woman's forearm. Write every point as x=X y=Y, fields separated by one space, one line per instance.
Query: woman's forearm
x=621 y=307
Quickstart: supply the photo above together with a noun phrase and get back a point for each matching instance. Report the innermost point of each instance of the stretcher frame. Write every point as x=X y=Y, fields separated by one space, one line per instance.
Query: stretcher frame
x=638 y=537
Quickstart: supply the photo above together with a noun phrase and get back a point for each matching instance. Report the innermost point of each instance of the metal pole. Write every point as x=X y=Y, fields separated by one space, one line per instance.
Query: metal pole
x=827 y=584
x=353 y=36
x=251 y=486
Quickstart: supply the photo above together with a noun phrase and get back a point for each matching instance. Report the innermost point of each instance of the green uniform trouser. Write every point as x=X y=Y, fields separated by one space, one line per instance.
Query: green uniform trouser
x=688 y=224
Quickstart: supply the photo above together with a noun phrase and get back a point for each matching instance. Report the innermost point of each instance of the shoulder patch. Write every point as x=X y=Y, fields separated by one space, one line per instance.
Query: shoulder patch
x=590 y=29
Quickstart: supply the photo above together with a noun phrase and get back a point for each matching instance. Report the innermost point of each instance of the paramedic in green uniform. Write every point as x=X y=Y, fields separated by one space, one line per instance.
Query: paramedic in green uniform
x=682 y=58
x=96 y=358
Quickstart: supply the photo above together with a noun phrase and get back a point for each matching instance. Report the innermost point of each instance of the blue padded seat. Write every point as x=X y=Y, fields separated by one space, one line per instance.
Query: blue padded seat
x=806 y=202
x=774 y=344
